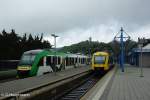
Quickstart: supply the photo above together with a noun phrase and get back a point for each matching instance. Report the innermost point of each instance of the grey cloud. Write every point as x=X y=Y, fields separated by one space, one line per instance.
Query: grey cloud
x=63 y=16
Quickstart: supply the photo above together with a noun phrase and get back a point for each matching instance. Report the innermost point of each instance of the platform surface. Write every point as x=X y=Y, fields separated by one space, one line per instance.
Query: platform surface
x=27 y=83
x=129 y=85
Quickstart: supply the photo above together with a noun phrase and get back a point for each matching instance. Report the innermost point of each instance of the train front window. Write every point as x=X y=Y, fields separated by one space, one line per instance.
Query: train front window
x=99 y=59
x=27 y=59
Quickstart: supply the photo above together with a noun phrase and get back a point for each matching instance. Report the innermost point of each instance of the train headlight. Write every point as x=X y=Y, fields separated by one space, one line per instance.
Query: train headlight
x=24 y=68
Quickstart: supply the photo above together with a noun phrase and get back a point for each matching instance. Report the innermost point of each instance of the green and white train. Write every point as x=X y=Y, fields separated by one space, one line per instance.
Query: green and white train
x=39 y=62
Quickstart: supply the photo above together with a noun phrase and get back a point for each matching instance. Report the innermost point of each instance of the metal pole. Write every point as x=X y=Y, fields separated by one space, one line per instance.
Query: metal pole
x=55 y=53
x=122 y=51
x=121 y=56
x=90 y=51
x=55 y=36
x=141 y=65
x=90 y=39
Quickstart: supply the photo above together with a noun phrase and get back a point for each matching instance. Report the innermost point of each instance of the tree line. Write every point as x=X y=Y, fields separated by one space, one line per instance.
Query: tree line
x=86 y=47
x=113 y=47
x=12 y=45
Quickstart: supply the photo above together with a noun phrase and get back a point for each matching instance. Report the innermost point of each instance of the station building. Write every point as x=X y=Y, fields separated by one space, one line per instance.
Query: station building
x=135 y=56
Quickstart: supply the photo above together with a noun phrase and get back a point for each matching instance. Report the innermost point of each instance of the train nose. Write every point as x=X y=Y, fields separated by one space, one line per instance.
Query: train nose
x=23 y=73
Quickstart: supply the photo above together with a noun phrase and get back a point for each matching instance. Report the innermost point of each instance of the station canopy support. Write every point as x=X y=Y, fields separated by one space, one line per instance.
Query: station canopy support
x=121 y=36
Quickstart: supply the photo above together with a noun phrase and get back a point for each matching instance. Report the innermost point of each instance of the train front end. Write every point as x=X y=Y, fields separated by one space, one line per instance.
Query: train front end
x=100 y=61
x=25 y=65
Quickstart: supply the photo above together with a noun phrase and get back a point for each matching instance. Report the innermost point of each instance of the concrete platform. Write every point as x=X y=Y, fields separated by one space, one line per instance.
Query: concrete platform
x=128 y=85
x=18 y=86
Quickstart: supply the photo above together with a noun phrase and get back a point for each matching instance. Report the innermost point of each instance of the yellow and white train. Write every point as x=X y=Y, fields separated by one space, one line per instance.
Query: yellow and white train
x=102 y=61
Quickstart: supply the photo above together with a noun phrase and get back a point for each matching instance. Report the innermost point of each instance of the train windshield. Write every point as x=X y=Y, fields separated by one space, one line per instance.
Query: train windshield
x=27 y=59
x=99 y=59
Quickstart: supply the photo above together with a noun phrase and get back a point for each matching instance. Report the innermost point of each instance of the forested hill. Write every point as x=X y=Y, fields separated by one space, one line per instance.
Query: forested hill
x=85 y=47
x=12 y=45
x=113 y=47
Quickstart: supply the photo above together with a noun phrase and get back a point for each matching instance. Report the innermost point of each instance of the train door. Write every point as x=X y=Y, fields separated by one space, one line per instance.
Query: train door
x=58 y=63
x=76 y=61
x=62 y=63
x=69 y=63
x=44 y=68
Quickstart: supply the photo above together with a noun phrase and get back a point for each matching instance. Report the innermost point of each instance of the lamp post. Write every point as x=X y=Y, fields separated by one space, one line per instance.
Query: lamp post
x=55 y=36
x=141 y=42
x=90 y=49
x=90 y=39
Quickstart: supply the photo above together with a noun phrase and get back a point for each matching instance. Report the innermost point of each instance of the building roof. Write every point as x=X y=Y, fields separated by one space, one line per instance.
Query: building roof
x=144 y=49
x=147 y=46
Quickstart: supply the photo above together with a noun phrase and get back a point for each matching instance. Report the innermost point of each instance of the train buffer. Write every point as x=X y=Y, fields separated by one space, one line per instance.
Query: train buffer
x=126 y=85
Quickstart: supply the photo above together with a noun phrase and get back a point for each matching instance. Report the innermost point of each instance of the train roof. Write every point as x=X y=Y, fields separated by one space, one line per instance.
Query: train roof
x=52 y=53
x=75 y=55
x=33 y=51
x=57 y=54
x=101 y=53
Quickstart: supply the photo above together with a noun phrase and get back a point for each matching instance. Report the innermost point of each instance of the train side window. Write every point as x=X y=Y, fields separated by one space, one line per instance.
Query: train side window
x=72 y=61
x=48 y=60
x=83 y=60
x=75 y=60
x=54 y=59
x=69 y=60
x=66 y=61
x=58 y=60
x=79 y=60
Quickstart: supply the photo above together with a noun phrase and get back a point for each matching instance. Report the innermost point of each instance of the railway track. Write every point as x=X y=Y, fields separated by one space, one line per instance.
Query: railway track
x=8 y=75
x=84 y=86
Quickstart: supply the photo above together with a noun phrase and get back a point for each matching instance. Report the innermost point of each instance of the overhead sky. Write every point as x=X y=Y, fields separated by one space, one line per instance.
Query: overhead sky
x=76 y=20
